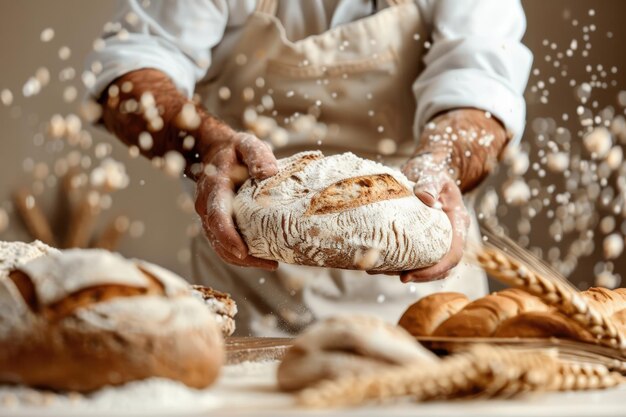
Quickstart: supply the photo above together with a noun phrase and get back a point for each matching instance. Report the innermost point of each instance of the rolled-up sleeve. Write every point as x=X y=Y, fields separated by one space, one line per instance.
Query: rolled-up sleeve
x=476 y=60
x=174 y=37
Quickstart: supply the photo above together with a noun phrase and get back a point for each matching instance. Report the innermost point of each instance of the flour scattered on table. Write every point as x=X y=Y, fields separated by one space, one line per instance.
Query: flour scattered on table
x=151 y=395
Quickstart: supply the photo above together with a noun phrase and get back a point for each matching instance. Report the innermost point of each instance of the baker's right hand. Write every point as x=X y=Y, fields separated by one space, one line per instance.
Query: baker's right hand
x=224 y=164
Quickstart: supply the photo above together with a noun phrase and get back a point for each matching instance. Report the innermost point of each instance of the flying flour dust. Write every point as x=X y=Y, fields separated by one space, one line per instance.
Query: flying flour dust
x=568 y=177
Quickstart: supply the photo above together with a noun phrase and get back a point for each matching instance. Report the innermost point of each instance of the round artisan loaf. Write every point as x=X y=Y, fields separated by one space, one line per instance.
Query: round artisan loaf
x=342 y=212
x=83 y=319
x=347 y=345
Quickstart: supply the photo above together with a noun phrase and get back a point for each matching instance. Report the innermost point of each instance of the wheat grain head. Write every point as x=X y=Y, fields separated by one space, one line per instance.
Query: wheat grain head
x=485 y=371
x=506 y=261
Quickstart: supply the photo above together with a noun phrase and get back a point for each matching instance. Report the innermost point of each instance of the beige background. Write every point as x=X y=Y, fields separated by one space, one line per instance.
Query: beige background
x=151 y=196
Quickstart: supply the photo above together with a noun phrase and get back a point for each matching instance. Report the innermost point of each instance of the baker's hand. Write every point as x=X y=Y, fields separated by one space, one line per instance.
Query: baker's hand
x=456 y=151
x=227 y=157
x=227 y=164
x=435 y=187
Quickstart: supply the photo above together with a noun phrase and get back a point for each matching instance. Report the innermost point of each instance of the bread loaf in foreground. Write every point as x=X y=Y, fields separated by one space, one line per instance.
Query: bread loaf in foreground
x=347 y=345
x=507 y=313
x=343 y=212
x=83 y=319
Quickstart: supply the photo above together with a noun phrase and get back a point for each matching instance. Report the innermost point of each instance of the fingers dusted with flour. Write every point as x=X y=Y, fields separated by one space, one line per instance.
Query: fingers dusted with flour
x=256 y=155
x=457 y=150
x=214 y=204
x=449 y=198
x=145 y=110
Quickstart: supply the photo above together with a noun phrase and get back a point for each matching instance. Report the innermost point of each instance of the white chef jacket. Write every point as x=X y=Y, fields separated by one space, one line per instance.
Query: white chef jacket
x=475 y=57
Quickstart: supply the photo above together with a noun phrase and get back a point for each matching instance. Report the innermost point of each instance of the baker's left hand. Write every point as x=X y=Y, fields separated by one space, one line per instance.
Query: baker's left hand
x=436 y=187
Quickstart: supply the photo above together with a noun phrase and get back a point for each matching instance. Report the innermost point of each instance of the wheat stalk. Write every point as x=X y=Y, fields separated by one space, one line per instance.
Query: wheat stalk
x=485 y=371
x=573 y=376
x=33 y=217
x=511 y=271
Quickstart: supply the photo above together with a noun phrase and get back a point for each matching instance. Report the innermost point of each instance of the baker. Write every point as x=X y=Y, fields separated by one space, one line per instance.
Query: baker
x=432 y=87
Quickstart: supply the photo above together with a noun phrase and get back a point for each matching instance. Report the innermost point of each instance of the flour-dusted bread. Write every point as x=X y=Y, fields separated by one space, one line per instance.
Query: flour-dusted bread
x=221 y=305
x=83 y=319
x=13 y=254
x=347 y=345
x=343 y=212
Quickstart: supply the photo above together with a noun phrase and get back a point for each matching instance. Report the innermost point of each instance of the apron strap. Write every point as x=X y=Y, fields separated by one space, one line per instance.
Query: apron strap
x=398 y=2
x=266 y=6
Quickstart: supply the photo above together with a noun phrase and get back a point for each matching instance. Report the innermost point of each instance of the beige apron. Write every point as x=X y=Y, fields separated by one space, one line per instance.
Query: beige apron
x=347 y=89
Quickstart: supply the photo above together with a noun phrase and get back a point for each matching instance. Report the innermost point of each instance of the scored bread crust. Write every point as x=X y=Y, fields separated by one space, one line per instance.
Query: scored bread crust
x=507 y=313
x=343 y=212
x=89 y=318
